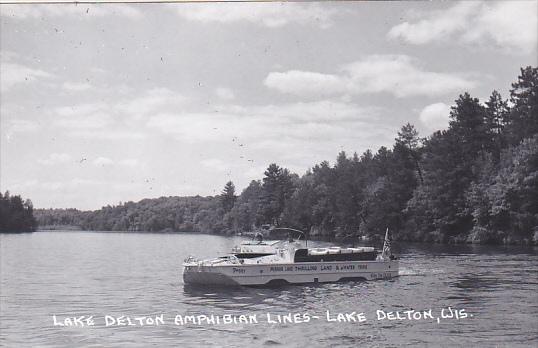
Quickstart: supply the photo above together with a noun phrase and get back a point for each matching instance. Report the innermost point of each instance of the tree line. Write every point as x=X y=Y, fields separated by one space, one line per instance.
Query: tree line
x=16 y=215
x=476 y=182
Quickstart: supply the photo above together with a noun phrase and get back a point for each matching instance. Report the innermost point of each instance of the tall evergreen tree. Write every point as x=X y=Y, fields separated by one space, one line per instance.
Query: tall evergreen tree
x=277 y=188
x=522 y=121
x=468 y=123
x=407 y=146
x=346 y=195
x=228 y=197
x=496 y=113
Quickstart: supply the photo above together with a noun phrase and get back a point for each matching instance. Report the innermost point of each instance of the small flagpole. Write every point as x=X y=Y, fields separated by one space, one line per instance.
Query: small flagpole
x=386 y=245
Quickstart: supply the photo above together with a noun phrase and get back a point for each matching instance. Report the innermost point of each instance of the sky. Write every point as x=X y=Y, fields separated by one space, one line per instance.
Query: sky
x=109 y=103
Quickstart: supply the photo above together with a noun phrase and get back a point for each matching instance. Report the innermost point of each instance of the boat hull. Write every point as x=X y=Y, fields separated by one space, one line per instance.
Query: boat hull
x=292 y=273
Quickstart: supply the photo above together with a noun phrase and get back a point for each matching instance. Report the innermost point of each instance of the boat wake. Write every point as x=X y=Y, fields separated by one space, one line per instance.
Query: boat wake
x=419 y=272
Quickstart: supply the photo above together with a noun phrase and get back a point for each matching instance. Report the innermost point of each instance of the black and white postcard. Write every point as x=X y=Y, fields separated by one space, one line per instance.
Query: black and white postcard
x=256 y=174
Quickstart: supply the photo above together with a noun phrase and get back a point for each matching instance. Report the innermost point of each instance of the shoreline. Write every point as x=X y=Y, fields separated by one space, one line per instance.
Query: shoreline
x=312 y=238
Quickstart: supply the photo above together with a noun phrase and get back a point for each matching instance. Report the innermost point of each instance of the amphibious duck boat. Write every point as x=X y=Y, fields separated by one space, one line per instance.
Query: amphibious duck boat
x=292 y=262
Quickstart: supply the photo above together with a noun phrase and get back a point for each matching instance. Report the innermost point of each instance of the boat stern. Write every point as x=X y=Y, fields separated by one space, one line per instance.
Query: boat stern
x=197 y=272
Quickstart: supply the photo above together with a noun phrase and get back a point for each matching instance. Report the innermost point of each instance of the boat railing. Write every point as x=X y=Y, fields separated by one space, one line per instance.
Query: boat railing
x=223 y=259
x=191 y=259
x=339 y=250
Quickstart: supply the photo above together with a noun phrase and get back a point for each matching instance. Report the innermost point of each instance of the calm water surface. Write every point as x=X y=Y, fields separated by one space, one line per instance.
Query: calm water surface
x=139 y=274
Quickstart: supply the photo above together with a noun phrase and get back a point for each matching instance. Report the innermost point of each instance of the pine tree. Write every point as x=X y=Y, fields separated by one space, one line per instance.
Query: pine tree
x=468 y=123
x=523 y=119
x=496 y=113
x=228 y=197
x=408 y=146
x=277 y=188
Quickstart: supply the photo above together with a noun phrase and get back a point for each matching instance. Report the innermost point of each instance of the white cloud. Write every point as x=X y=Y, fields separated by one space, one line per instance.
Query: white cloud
x=402 y=76
x=107 y=134
x=150 y=101
x=102 y=161
x=80 y=109
x=12 y=74
x=20 y=126
x=247 y=125
x=76 y=86
x=269 y=14
x=55 y=158
x=108 y=120
x=255 y=173
x=322 y=111
x=193 y=127
x=399 y=75
x=85 y=116
x=508 y=24
x=225 y=93
x=214 y=163
x=72 y=184
x=305 y=82
x=129 y=162
x=86 y=11
x=435 y=116
x=437 y=24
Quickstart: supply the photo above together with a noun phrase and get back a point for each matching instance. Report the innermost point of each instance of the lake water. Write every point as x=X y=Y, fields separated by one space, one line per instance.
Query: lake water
x=139 y=274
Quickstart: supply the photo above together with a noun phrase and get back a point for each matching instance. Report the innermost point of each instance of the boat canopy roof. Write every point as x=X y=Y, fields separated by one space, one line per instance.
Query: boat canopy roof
x=265 y=242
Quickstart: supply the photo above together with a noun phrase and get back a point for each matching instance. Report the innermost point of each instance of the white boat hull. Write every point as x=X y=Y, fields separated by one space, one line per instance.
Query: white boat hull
x=293 y=273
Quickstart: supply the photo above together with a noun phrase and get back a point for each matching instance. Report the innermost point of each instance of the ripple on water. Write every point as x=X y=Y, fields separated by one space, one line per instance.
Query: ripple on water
x=109 y=273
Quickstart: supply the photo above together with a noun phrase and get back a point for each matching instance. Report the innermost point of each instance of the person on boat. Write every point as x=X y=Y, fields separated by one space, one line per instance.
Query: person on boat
x=259 y=238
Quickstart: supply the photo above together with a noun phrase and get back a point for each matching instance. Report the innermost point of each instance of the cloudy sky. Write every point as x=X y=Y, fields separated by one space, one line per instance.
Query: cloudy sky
x=109 y=103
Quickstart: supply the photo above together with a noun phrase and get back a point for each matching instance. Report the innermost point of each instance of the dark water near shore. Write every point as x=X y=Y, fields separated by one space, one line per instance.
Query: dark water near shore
x=138 y=274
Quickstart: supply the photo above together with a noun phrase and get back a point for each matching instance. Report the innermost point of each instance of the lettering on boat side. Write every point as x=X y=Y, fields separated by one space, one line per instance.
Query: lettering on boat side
x=323 y=267
x=281 y=269
x=381 y=275
x=306 y=268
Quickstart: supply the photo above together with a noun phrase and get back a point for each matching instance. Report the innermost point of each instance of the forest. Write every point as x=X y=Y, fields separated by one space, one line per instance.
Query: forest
x=475 y=182
x=16 y=215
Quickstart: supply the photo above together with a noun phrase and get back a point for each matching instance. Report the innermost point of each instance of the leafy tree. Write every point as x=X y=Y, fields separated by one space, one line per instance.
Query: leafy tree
x=514 y=191
x=246 y=212
x=299 y=210
x=438 y=206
